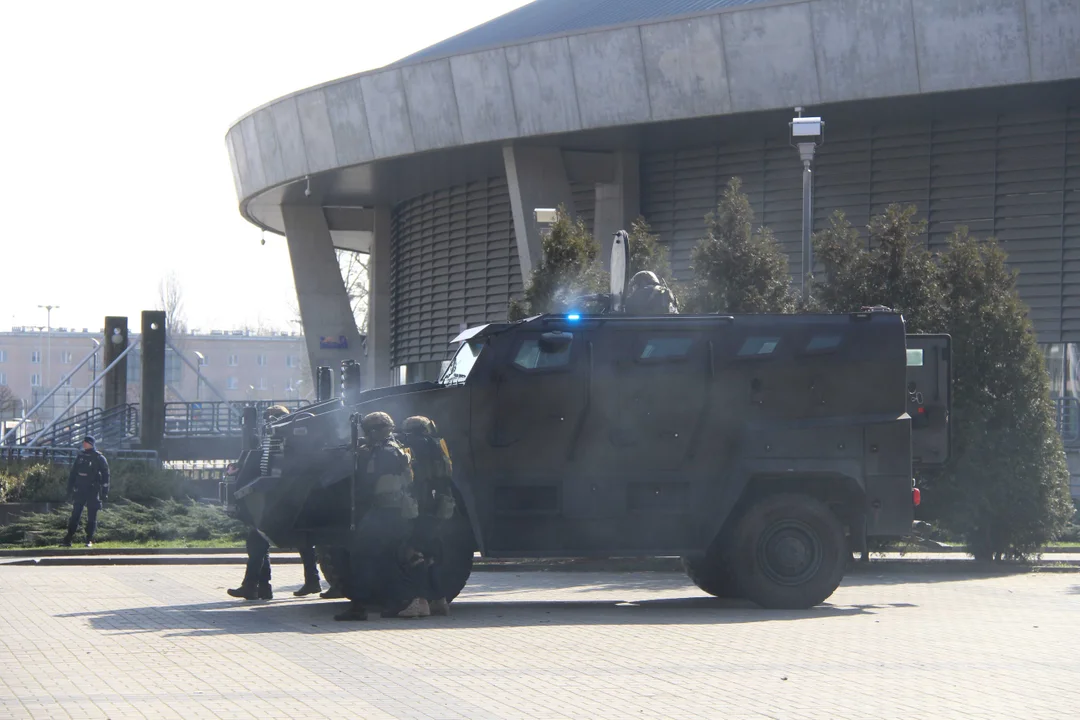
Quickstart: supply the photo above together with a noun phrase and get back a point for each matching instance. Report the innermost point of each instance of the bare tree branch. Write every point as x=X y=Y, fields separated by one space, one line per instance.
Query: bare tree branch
x=354 y=273
x=10 y=404
x=171 y=300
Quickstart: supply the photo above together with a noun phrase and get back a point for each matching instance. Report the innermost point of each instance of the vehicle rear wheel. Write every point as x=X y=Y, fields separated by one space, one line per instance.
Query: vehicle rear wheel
x=790 y=552
x=712 y=573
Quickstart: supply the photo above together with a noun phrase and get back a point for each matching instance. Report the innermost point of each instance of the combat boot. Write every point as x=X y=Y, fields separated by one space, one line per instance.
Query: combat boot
x=309 y=588
x=66 y=542
x=332 y=593
x=265 y=592
x=244 y=592
x=89 y=543
x=440 y=607
x=418 y=607
x=353 y=614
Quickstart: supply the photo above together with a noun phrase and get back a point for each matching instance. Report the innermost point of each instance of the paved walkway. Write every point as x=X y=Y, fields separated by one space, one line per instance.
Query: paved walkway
x=165 y=642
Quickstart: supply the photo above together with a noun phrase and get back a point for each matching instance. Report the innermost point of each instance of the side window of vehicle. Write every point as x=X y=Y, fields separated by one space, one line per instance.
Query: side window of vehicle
x=665 y=349
x=533 y=354
x=759 y=346
x=823 y=342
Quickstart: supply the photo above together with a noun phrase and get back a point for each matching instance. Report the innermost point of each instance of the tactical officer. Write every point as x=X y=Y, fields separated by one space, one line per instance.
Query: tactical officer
x=88 y=486
x=432 y=473
x=306 y=549
x=646 y=295
x=256 y=582
x=382 y=488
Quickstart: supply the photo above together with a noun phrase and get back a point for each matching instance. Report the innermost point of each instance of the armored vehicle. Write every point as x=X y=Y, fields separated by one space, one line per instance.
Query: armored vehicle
x=763 y=449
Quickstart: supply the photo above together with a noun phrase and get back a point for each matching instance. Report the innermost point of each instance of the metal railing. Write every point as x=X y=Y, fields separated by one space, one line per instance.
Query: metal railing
x=66 y=455
x=213 y=419
x=109 y=427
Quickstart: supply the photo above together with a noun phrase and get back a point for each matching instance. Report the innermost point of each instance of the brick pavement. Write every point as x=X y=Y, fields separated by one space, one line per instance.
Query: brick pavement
x=165 y=642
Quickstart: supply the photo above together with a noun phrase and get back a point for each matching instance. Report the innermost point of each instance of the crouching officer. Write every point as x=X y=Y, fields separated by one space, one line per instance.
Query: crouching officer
x=383 y=501
x=432 y=473
x=88 y=486
x=646 y=295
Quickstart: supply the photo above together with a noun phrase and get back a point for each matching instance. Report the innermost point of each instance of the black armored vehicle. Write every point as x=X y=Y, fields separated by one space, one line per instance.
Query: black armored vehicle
x=763 y=449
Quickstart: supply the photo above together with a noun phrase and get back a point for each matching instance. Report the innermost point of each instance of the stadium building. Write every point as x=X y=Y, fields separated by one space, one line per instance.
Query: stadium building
x=970 y=109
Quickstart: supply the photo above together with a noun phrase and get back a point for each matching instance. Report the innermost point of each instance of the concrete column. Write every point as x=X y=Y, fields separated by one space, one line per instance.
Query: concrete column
x=537 y=179
x=378 y=326
x=618 y=203
x=329 y=326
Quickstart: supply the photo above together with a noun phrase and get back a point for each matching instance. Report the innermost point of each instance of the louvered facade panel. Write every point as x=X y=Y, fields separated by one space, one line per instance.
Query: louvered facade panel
x=584 y=194
x=454 y=261
x=1014 y=176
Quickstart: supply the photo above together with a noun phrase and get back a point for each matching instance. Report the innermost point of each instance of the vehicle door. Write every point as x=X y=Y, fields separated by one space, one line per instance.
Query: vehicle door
x=929 y=399
x=540 y=397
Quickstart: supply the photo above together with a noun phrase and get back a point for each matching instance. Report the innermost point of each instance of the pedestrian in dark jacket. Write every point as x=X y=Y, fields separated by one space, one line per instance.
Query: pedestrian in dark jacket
x=88 y=486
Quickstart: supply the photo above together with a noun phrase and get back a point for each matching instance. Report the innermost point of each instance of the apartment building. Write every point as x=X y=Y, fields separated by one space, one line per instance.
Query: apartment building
x=235 y=365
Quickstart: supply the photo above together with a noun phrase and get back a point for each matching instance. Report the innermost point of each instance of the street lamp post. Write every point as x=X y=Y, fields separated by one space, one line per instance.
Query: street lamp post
x=93 y=383
x=48 y=351
x=806 y=135
x=198 y=372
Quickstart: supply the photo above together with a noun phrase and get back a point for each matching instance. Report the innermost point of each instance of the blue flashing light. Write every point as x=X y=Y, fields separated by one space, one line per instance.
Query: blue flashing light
x=573 y=318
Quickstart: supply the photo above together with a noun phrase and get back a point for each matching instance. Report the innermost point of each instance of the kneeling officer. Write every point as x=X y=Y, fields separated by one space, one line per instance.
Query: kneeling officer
x=88 y=486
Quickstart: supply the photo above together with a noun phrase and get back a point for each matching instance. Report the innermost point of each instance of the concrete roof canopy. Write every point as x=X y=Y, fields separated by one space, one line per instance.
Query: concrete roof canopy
x=560 y=67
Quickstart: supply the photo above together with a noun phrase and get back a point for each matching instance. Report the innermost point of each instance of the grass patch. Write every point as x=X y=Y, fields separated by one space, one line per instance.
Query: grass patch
x=127 y=523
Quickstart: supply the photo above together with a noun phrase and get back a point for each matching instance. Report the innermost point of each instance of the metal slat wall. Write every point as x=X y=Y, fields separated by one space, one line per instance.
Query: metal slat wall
x=1015 y=176
x=584 y=202
x=454 y=261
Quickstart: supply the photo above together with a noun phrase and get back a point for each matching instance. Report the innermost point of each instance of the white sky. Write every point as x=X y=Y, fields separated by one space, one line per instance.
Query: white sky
x=113 y=167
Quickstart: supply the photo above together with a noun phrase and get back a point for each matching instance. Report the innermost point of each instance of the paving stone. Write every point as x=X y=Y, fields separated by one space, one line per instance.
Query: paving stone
x=166 y=642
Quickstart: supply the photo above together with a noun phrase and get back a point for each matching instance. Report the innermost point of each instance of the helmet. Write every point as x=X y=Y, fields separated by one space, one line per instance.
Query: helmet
x=419 y=425
x=644 y=278
x=275 y=411
x=377 y=422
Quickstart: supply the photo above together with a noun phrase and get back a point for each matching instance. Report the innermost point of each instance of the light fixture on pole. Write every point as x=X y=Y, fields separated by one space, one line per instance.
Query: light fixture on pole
x=198 y=372
x=48 y=349
x=806 y=135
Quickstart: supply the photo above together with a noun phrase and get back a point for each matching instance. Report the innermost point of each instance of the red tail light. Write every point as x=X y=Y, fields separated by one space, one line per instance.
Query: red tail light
x=916 y=496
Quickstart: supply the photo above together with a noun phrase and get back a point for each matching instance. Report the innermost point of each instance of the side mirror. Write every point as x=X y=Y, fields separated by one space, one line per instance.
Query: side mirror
x=554 y=342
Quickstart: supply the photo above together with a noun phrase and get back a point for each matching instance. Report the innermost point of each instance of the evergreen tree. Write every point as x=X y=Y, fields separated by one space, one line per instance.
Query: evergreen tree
x=896 y=271
x=568 y=270
x=648 y=253
x=735 y=268
x=1007 y=489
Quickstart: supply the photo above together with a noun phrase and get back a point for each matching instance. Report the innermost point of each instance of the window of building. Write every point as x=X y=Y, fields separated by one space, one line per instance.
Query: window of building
x=174 y=368
x=233 y=384
x=290 y=385
x=234 y=360
x=35 y=356
x=66 y=357
x=3 y=356
x=3 y=379
x=530 y=356
x=292 y=361
x=261 y=361
x=35 y=380
x=666 y=348
x=262 y=383
x=758 y=346
x=203 y=360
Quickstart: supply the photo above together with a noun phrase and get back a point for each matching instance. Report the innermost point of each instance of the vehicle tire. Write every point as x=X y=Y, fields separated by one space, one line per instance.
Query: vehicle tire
x=458 y=547
x=790 y=552
x=711 y=573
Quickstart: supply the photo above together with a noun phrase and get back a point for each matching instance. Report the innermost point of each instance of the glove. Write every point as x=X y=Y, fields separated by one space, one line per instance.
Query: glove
x=445 y=509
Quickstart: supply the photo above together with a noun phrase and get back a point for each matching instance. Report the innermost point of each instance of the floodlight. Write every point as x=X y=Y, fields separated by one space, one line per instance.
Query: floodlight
x=546 y=216
x=806 y=127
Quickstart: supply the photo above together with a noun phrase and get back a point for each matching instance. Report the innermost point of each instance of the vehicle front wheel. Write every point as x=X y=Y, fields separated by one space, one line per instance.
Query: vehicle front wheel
x=790 y=552
x=712 y=573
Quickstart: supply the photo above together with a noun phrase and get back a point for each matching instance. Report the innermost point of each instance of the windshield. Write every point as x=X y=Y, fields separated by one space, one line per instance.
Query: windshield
x=457 y=372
